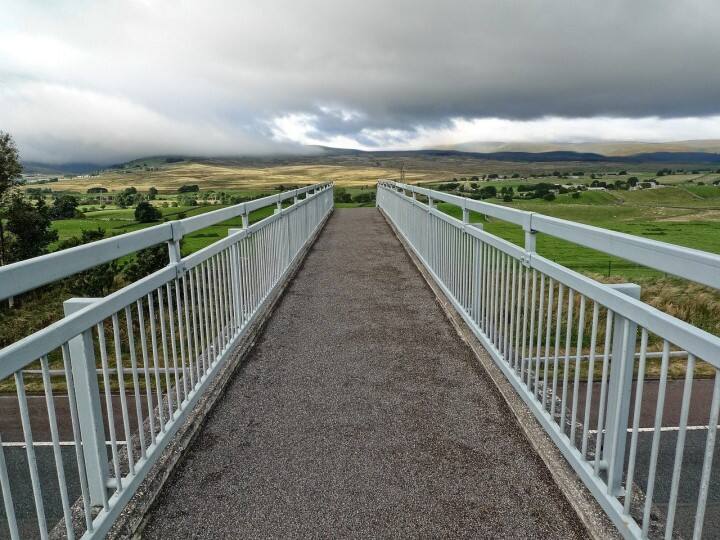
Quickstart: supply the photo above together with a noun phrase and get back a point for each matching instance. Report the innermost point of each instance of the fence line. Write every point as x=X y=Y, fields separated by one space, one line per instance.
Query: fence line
x=543 y=323
x=158 y=342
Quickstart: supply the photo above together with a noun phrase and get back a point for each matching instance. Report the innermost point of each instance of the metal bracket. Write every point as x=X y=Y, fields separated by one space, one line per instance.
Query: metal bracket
x=179 y=269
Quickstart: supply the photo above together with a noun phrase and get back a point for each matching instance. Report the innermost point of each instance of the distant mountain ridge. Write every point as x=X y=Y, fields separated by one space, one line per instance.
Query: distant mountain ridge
x=36 y=167
x=687 y=157
x=605 y=148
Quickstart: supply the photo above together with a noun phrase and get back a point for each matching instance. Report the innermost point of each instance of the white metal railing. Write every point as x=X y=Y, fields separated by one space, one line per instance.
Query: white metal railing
x=580 y=353
x=136 y=361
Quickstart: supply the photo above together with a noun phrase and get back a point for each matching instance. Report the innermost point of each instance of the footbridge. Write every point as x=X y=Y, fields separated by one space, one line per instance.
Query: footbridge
x=389 y=371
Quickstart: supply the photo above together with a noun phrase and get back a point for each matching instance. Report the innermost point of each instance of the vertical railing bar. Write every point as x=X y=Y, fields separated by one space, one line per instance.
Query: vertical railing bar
x=556 y=355
x=156 y=366
x=59 y=467
x=680 y=446
x=107 y=389
x=77 y=439
x=146 y=370
x=181 y=337
x=590 y=377
x=166 y=363
x=523 y=350
x=522 y=272
x=659 y=407
x=30 y=451
x=548 y=338
x=7 y=496
x=630 y=478
x=187 y=303
x=173 y=344
x=603 y=389
x=707 y=459
x=531 y=334
x=566 y=359
x=578 y=356
x=136 y=382
x=538 y=346
x=121 y=384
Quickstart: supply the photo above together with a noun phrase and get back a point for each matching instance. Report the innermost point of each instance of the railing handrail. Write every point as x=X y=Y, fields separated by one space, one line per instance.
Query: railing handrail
x=692 y=264
x=27 y=350
x=23 y=276
x=691 y=338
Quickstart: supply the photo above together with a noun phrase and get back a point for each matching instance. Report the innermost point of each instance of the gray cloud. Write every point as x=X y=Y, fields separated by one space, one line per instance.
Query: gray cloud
x=104 y=81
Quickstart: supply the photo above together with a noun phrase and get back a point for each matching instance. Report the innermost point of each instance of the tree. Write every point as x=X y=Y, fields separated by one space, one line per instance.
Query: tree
x=549 y=196
x=342 y=196
x=147 y=213
x=189 y=188
x=146 y=262
x=31 y=229
x=127 y=197
x=97 y=281
x=152 y=193
x=10 y=171
x=64 y=207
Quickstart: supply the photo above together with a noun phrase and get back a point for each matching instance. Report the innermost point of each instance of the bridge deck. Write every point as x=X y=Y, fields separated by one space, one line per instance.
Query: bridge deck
x=359 y=413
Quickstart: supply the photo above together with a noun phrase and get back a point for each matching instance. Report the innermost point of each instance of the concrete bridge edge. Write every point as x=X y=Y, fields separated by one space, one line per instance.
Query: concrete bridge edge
x=589 y=512
x=132 y=520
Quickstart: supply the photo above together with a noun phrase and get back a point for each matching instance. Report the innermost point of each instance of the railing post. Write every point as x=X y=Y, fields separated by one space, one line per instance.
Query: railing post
x=87 y=396
x=465 y=214
x=235 y=279
x=619 y=389
x=174 y=245
x=530 y=236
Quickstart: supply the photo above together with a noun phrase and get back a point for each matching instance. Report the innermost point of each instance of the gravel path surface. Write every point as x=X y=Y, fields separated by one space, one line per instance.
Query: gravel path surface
x=359 y=413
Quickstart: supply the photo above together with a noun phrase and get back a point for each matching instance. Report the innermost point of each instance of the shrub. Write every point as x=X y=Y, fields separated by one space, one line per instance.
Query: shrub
x=146 y=213
x=549 y=196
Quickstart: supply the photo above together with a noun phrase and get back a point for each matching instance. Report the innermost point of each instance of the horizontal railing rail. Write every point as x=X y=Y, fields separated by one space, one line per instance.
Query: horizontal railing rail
x=32 y=273
x=120 y=374
x=692 y=264
x=582 y=354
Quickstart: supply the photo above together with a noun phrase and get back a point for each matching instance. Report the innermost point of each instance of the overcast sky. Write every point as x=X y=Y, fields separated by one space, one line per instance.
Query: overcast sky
x=105 y=81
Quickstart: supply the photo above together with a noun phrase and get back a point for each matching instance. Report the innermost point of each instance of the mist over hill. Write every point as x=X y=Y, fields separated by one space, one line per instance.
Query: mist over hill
x=680 y=153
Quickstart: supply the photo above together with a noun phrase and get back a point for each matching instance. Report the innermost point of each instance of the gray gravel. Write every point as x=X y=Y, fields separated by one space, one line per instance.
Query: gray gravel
x=359 y=414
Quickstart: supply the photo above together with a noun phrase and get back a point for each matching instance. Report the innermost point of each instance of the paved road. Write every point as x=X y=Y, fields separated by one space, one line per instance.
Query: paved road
x=359 y=413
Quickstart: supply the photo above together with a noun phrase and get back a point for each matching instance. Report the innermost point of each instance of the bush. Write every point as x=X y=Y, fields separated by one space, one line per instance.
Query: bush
x=342 y=196
x=364 y=198
x=146 y=262
x=189 y=188
x=64 y=207
x=146 y=213
x=127 y=197
x=575 y=195
x=97 y=281
x=507 y=198
x=549 y=196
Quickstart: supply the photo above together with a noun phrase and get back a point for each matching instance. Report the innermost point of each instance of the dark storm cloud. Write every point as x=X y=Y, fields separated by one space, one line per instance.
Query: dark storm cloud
x=117 y=79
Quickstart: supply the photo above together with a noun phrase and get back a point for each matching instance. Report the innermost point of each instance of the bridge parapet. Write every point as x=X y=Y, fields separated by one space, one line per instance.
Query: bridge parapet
x=580 y=352
x=120 y=374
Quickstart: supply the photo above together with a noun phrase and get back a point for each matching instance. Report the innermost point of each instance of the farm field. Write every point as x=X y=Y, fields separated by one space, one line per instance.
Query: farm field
x=685 y=211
